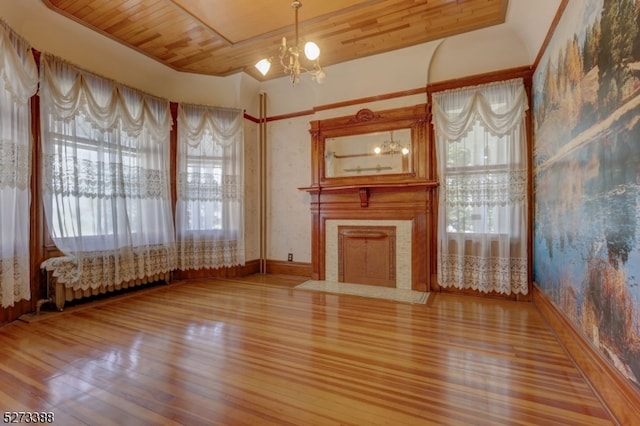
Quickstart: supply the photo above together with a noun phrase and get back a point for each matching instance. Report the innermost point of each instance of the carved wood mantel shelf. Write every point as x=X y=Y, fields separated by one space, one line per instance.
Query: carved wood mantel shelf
x=408 y=195
x=364 y=191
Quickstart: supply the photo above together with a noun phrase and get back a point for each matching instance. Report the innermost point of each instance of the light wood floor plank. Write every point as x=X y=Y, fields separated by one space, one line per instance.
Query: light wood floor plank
x=255 y=350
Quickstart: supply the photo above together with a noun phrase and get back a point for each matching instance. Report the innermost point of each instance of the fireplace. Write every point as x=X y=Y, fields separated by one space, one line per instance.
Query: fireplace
x=406 y=208
x=393 y=208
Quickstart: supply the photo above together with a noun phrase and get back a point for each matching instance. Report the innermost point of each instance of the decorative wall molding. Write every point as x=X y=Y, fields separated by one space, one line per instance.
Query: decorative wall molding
x=365 y=115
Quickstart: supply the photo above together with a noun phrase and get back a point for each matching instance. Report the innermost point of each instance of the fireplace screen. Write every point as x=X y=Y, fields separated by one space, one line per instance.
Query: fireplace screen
x=366 y=255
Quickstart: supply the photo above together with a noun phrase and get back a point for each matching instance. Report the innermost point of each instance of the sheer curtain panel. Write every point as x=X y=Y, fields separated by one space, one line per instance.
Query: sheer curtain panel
x=105 y=178
x=482 y=164
x=210 y=208
x=18 y=82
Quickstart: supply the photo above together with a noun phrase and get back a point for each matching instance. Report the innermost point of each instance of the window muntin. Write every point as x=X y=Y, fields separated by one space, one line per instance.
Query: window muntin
x=96 y=174
x=203 y=194
x=477 y=170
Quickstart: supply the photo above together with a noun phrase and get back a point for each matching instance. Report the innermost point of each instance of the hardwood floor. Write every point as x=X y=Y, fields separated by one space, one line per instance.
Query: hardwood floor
x=256 y=351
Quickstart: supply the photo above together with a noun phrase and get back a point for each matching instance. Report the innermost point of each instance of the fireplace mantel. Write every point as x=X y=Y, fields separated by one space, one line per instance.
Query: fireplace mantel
x=406 y=196
x=365 y=190
x=372 y=203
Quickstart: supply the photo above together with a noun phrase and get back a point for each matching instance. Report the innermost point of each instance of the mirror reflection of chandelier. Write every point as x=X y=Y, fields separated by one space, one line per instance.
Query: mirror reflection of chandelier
x=290 y=56
x=391 y=147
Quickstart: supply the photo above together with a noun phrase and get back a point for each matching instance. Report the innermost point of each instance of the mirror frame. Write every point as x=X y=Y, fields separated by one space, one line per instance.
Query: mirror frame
x=415 y=118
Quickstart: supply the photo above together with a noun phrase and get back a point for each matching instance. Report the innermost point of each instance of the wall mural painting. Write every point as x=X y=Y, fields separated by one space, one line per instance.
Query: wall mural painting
x=587 y=175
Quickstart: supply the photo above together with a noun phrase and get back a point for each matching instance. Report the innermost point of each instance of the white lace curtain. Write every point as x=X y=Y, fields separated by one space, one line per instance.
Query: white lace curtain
x=18 y=82
x=105 y=177
x=210 y=205
x=482 y=164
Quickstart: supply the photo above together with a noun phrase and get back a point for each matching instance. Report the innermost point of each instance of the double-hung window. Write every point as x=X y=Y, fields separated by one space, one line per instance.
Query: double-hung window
x=482 y=166
x=202 y=195
x=210 y=190
x=477 y=181
x=105 y=177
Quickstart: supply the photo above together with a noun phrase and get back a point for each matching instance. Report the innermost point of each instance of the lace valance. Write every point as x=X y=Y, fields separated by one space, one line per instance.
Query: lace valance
x=223 y=125
x=500 y=109
x=71 y=91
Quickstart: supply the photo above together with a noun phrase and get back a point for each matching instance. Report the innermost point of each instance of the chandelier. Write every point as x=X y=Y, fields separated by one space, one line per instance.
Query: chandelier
x=290 y=56
x=391 y=147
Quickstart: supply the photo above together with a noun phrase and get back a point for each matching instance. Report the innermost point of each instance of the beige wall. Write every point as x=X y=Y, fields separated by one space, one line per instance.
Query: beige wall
x=288 y=140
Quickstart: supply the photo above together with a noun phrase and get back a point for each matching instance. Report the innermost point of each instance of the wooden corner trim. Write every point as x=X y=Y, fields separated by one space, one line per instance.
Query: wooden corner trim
x=617 y=393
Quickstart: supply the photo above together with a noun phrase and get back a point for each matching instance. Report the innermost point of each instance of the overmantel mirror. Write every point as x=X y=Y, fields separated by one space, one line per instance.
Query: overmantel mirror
x=372 y=146
x=375 y=153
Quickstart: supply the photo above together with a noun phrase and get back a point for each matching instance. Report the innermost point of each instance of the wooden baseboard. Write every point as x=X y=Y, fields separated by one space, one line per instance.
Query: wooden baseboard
x=620 y=396
x=300 y=269
x=250 y=267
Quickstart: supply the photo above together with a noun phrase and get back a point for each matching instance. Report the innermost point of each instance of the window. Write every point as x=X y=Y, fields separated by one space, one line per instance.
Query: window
x=82 y=153
x=203 y=212
x=210 y=206
x=99 y=184
x=482 y=212
x=477 y=176
x=105 y=174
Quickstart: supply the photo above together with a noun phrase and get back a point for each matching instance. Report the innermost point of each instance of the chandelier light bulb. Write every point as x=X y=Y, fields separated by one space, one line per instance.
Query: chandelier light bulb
x=377 y=150
x=263 y=66
x=311 y=51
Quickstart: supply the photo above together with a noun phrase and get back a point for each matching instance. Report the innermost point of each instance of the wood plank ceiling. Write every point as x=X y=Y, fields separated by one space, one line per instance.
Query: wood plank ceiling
x=222 y=37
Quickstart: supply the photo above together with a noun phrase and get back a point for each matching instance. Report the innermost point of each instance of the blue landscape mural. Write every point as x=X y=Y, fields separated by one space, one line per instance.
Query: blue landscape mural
x=586 y=96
